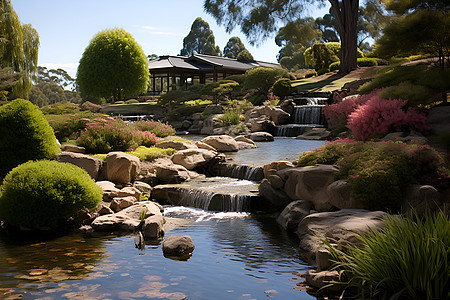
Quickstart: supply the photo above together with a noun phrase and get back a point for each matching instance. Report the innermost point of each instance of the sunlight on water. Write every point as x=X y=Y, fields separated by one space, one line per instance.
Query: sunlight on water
x=199 y=215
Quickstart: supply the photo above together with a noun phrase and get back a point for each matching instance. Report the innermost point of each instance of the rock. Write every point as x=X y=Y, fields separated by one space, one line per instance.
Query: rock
x=186 y=124
x=309 y=183
x=213 y=109
x=315 y=134
x=288 y=106
x=242 y=138
x=293 y=213
x=277 y=115
x=339 y=226
x=109 y=190
x=105 y=210
x=405 y=136
x=153 y=227
x=255 y=112
x=177 y=145
x=122 y=167
x=127 y=219
x=223 y=143
x=172 y=173
x=202 y=145
x=143 y=187
x=192 y=158
x=323 y=259
x=244 y=145
x=130 y=191
x=420 y=199
x=88 y=163
x=261 y=137
x=210 y=124
x=275 y=199
x=73 y=148
x=262 y=123
x=276 y=182
x=321 y=279
x=178 y=246
x=119 y=203
x=339 y=195
x=438 y=118
x=91 y=106
x=273 y=167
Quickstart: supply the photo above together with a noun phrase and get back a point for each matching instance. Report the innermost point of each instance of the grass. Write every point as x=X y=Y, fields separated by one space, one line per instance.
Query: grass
x=151 y=153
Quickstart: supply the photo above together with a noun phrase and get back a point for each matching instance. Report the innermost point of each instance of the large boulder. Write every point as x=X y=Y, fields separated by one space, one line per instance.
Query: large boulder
x=73 y=148
x=309 y=183
x=223 y=143
x=262 y=123
x=273 y=199
x=202 y=145
x=288 y=106
x=277 y=115
x=177 y=145
x=192 y=158
x=88 y=163
x=315 y=134
x=242 y=138
x=293 y=213
x=128 y=219
x=339 y=195
x=261 y=137
x=338 y=227
x=178 y=246
x=122 y=167
x=211 y=125
x=119 y=203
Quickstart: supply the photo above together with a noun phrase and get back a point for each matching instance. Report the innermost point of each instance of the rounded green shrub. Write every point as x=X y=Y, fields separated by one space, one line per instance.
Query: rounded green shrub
x=310 y=74
x=282 y=87
x=335 y=66
x=43 y=194
x=24 y=135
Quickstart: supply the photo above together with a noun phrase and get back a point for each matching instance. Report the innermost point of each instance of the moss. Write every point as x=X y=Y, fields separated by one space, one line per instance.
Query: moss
x=151 y=153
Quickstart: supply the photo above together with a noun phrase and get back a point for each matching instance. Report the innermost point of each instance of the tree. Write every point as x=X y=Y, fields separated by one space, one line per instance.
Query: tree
x=245 y=56
x=18 y=48
x=233 y=47
x=112 y=67
x=152 y=56
x=200 y=40
x=419 y=26
x=58 y=76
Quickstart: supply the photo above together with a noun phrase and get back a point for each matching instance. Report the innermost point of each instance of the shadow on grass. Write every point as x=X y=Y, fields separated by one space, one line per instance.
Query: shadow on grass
x=333 y=82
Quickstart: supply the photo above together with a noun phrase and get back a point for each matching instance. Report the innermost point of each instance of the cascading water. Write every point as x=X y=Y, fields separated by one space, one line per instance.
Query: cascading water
x=238 y=171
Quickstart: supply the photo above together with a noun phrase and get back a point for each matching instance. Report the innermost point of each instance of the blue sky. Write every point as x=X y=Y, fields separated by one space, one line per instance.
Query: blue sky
x=66 y=27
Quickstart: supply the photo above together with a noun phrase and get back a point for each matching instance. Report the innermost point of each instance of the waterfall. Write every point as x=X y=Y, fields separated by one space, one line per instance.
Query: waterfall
x=208 y=200
x=239 y=171
x=308 y=115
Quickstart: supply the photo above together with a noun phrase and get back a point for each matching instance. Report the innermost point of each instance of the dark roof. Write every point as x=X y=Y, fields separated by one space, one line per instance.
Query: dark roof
x=202 y=62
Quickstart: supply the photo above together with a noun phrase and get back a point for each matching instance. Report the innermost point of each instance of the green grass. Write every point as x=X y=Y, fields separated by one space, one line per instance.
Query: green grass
x=311 y=84
x=151 y=153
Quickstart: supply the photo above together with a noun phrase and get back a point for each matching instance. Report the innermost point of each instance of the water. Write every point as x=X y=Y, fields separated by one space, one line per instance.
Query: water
x=236 y=256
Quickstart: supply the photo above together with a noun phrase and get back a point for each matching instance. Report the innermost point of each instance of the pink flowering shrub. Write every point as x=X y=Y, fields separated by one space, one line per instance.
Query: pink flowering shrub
x=159 y=129
x=67 y=126
x=144 y=138
x=378 y=117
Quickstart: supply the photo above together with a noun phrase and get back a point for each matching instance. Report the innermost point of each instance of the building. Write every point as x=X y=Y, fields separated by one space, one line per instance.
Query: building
x=168 y=72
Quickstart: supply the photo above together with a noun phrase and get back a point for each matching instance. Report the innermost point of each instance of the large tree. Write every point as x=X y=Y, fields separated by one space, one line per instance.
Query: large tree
x=200 y=40
x=233 y=47
x=112 y=67
x=19 y=46
x=258 y=19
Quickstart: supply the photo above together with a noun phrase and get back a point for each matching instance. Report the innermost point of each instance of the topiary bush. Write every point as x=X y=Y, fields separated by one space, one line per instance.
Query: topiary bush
x=334 y=66
x=43 y=194
x=24 y=135
x=282 y=87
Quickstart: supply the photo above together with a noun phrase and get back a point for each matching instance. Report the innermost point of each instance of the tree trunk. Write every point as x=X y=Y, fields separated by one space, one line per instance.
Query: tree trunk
x=346 y=14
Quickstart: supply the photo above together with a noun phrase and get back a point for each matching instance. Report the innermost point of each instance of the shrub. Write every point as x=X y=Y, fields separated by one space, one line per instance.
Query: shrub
x=378 y=117
x=321 y=55
x=367 y=62
x=415 y=94
x=379 y=171
x=68 y=126
x=334 y=66
x=24 y=135
x=229 y=117
x=263 y=78
x=131 y=101
x=323 y=71
x=282 y=87
x=238 y=78
x=60 y=109
x=409 y=259
x=144 y=138
x=310 y=73
x=151 y=153
x=157 y=127
x=43 y=193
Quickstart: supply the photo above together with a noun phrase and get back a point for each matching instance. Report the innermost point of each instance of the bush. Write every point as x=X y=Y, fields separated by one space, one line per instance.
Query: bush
x=157 y=127
x=40 y=194
x=409 y=259
x=323 y=71
x=282 y=87
x=334 y=66
x=151 y=153
x=68 y=126
x=367 y=62
x=263 y=78
x=131 y=101
x=24 y=135
x=310 y=73
x=415 y=94
x=379 y=171
x=60 y=109
x=230 y=117
x=321 y=55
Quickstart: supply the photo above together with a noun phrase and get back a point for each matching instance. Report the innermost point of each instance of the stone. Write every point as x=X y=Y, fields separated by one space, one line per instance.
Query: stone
x=73 y=148
x=172 y=173
x=211 y=124
x=323 y=259
x=438 y=118
x=213 y=109
x=119 y=203
x=275 y=200
x=320 y=279
x=153 y=227
x=130 y=191
x=202 y=145
x=261 y=137
x=105 y=210
x=126 y=220
x=420 y=199
x=309 y=183
x=277 y=115
x=192 y=158
x=293 y=213
x=276 y=182
x=262 y=123
x=339 y=195
x=315 y=134
x=178 y=246
x=122 y=167
x=143 y=187
x=91 y=107
x=223 y=143
x=177 y=145
x=288 y=106
x=90 y=164
x=244 y=145
x=109 y=190
x=338 y=227
x=242 y=138
x=186 y=124
x=273 y=167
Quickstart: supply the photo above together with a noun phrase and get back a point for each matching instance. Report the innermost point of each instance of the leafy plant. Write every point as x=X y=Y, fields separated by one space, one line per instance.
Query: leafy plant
x=282 y=87
x=151 y=153
x=44 y=193
x=157 y=127
x=230 y=117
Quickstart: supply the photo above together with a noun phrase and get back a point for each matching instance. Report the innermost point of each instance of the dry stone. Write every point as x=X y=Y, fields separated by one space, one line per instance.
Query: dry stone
x=223 y=143
x=261 y=137
x=273 y=167
x=153 y=227
x=122 y=167
x=420 y=199
x=73 y=148
x=339 y=195
x=119 y=203
x=275 y=199
x=177 y=145
x=202 y=145
x=88 y=163
x=192 y=158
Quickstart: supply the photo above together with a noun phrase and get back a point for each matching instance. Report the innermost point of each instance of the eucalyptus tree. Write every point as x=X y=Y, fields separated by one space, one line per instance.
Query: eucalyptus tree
x=233 y=47
x=200 y=40
x=112 y=67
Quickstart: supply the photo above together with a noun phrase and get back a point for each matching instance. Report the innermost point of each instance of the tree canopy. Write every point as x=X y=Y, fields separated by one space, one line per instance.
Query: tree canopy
x=19 y=46
x=200 y=40
x=233 y=47
x=112 y=67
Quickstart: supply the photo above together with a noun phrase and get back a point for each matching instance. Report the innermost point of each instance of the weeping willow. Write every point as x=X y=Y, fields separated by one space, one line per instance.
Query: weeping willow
x=19 y=46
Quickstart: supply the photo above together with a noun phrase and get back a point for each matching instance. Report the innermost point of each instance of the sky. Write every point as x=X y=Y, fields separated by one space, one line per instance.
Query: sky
x=66 y=27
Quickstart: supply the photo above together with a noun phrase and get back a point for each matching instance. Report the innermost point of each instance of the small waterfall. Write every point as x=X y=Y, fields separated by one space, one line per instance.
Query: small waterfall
x=239 y=171
x=212 y=201
x=308 y=115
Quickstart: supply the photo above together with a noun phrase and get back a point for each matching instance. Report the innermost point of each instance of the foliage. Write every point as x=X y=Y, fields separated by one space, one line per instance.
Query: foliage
x=416 y=94
x=68 y=126
x=282 y=87
x=223 y=91
x=58 y=76
x=151 y=153
x=408 y=259
x=24 y=135
x=200 y=40
x=233 y=47
x=263 y=78
x=230 y=117
x=113 y=67
x=378 y=117
x=157 y=127
x=334 y=66
x=197 y=102
x=47 y=93
x=60 y=109
x=310 y=73
x=245 y=56
x=379 y=171
x=39 y=194
x=367 y=62
x=8 y=79
x=18 y=49
x=321 y=55
x=323 y=71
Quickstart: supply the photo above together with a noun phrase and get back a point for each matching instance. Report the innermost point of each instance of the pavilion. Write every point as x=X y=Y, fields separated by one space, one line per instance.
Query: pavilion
x=168 y=72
